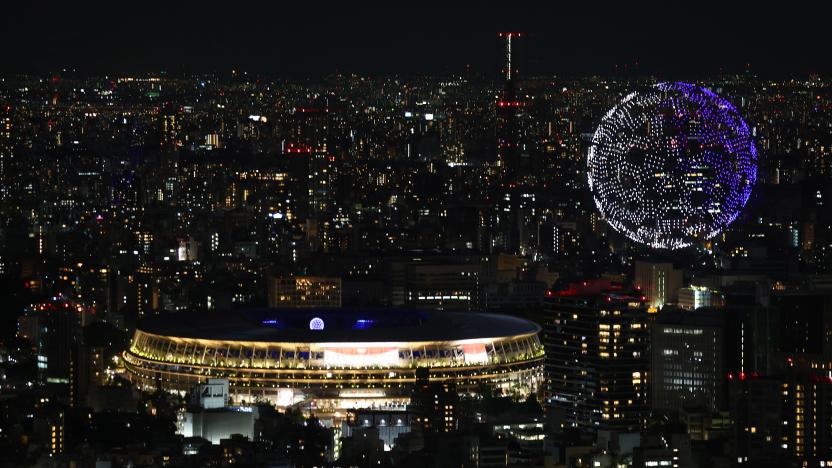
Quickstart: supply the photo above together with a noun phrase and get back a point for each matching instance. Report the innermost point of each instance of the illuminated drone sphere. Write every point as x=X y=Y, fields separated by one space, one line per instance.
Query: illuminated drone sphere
x=671 y=166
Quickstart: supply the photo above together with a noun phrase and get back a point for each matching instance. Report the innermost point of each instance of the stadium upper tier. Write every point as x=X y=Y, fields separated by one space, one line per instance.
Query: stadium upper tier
x=325 y=352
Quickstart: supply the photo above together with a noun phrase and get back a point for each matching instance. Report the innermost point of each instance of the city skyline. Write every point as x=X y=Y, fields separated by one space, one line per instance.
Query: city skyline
x=465 y=236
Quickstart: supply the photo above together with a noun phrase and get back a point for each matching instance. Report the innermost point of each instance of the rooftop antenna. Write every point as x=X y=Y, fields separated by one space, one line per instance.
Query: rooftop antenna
x=508 y=36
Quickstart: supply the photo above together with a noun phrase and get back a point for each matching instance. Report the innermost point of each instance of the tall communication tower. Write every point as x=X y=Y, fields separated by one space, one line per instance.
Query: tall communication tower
x=508 y=106
x=508 y=36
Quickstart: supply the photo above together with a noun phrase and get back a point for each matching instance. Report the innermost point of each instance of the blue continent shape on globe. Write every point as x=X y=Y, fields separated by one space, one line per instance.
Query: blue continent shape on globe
x=672 y=166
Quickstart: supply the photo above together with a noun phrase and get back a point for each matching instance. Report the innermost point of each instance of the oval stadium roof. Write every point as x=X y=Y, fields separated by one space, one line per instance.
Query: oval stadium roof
x=336 y=325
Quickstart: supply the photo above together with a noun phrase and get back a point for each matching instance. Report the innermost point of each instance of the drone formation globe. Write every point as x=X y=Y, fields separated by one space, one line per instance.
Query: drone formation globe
x=672 y=166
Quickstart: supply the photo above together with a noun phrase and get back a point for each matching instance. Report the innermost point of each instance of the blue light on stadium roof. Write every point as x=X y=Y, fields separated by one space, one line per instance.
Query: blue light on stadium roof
x=363 y=323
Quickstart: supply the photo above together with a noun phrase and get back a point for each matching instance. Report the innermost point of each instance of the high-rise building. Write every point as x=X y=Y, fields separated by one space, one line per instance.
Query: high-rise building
x=304 y=291
x=809 y=417
x=452 y=283
x=785 y=419
x=5 y=151
x=597 y=356
x=56 y=444
x=786 y=416
x=435 y=403
x=87 y=372
x=805 y=321
x=686 y=360
x=804 y=360
x=50 y=426
x=694 y=297
x=659 y=281
x=308 y=137
x=53 y=328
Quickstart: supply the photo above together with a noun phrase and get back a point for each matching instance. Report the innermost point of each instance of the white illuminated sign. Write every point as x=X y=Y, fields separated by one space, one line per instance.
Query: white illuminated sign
x=361 y=356
x=475 y=353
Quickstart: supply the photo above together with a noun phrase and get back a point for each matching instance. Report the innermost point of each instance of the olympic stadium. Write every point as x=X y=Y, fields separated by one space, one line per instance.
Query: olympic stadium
x=334 y=358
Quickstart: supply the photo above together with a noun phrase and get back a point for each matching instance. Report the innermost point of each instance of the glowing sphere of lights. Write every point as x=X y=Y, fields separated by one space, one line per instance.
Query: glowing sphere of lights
x=671 y=166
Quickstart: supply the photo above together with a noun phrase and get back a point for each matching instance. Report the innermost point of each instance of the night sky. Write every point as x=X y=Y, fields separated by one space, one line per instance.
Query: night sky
x=310 y=39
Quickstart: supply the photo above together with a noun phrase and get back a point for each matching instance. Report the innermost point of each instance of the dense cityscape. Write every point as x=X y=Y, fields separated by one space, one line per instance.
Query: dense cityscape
x=235 y=268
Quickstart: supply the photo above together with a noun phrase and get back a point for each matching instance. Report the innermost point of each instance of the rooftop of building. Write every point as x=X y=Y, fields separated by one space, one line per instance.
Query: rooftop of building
x=596 y=289
x=703 y=316
x=316 y=325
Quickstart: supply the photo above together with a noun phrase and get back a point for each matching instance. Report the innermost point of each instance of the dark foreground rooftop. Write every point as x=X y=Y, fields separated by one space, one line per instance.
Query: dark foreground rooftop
x=337 y=325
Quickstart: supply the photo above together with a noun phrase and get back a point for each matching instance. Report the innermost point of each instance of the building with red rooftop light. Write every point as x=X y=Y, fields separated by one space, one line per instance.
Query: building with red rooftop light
x=54 y=329
x=597 y=356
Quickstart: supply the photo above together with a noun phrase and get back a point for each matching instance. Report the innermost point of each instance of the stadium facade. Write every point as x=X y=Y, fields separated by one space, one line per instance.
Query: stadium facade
x=335 y=358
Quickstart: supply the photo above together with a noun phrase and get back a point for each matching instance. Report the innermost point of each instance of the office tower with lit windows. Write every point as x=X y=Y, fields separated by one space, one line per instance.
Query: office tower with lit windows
x=516 y=230
x=87 y=372
x=54 y=329
x=5 y=151
x=49 y=426
x=659 y=281
x=803 y=365
x=304 y=291
x=809 y=417
x=451 y=282
x=686 y=360
x=782 y=420
x=782 y=404
x=693 y=297
x=758 y=409
x=308 y=137
x=436 y=403
x=597 y=356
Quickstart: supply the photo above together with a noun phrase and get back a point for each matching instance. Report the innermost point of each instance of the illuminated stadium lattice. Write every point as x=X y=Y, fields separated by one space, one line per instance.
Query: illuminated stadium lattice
x=671 y=166
x=361 y=357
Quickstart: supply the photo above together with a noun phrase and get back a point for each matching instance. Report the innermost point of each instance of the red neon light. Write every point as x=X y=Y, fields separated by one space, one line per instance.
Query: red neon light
x=299 y=148
x=509 y=103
